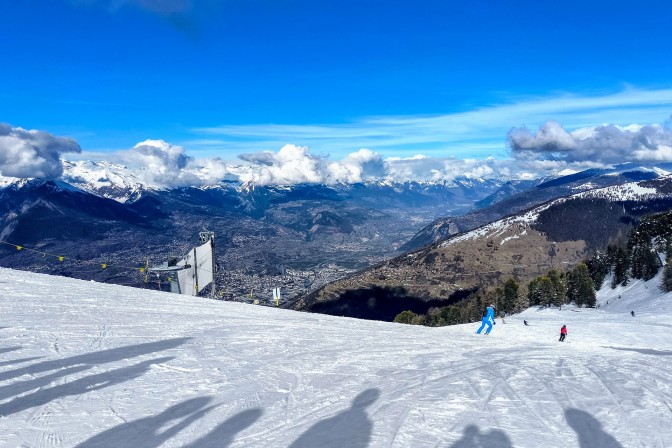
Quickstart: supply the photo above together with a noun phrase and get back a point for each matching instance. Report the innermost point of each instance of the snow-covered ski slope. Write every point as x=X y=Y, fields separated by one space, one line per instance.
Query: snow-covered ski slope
x=95 y=365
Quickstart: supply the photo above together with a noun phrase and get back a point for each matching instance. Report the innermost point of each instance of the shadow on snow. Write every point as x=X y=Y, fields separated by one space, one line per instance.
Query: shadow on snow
x=68 y=366
x=474 y=438
x=151 y=432
x=18 y=361
x=95 y=358
x=644 y=351
x=77 y=387
x=589 y=430
x=9 y=349
x=351 y=428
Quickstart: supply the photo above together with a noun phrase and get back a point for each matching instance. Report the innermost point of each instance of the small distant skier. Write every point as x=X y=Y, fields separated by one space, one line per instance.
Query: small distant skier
x=563 y=333
x=526 y=324
x=632 y=313
x=488 y=319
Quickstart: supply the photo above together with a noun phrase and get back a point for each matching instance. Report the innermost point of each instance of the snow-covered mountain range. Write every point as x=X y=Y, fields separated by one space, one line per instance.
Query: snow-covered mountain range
x=513 y=197
x=124 y=184
x=299 y=237
x=103 y=213
x=84 y=364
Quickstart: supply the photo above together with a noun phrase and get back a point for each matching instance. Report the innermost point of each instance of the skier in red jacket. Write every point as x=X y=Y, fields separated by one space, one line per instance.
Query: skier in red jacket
x=563 y=333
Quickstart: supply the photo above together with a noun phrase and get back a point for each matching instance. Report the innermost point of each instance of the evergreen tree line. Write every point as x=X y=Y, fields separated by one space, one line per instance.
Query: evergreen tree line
x=638 y=257
x=554 y=288
x=647 y=250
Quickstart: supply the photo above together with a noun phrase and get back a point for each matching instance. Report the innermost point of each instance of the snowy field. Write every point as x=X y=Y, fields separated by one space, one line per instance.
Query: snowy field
x=94 y=365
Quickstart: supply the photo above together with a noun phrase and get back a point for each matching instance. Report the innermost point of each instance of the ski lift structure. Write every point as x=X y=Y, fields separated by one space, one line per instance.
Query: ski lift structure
x=190 y=274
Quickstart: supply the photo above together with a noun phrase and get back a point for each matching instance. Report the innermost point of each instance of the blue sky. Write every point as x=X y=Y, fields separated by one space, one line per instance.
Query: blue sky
x=222 y=78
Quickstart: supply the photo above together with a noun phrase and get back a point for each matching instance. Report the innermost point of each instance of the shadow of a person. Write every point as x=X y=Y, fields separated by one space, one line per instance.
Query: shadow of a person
x=147 y=432
x=78 y=387
x=589 y=430
x=351 y=428
x=95 y=358
x=474 y=438
x=222 y=436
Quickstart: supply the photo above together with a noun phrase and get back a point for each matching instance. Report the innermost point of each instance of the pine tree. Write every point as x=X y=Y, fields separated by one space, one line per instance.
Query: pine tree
x=650 y=264
x=666 y=281
x=474 y=310
x=621 y=266
x=580 y=287
x=522 y=303
x=636 y=261
x=510 y=296
x=533 y=294
x=560 y=287
x=546 y=291
x=644 y=261
x=599 y=267
x=451 y=315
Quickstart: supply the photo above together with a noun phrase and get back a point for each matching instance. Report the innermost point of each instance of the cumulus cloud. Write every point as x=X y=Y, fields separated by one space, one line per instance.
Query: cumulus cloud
x=291 y=165
x=357 y=167
x=294 y=165
x=606 y=144
x=31 y=153
x=161 y=164
x=550 y=137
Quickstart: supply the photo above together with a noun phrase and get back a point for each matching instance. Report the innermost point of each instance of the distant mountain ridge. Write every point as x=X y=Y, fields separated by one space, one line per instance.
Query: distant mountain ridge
x=299 y=237
x=555 y=235
x=296 y=236
x=516 y=196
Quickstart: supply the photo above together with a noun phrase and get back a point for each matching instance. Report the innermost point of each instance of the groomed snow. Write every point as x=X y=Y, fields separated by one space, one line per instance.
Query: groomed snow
x=89 y=364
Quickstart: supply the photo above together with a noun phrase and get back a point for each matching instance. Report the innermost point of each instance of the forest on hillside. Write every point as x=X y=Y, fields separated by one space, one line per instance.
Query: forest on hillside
x=641 y=254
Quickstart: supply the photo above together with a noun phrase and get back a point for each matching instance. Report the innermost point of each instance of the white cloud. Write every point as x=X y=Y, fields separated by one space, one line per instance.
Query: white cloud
x=294 y=164
x=357 y=167
x=606 y=144
x=291 y=165
x=474 y=133
x=550 y=137
x=160 y=164
x=662 y=153
x=31 y=153
x=423 y=168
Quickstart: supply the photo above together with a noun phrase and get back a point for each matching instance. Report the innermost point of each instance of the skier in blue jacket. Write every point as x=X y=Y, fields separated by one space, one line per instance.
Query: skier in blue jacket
x=488 y=319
